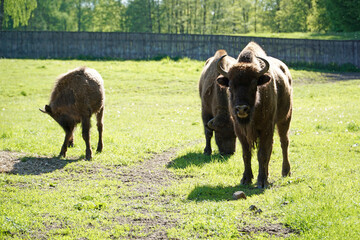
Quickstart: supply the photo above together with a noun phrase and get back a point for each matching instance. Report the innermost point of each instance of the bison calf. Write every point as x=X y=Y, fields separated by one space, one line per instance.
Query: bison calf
x=260 y=97
x=75 y=97
x=214 y=107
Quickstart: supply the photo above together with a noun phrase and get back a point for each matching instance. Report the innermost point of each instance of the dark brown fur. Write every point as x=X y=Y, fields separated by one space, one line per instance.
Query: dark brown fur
x=214 y=107
x=76 y=96
x=269 y=101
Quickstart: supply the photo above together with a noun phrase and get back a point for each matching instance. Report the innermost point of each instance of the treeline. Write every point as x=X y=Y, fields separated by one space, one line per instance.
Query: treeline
x=181 y=16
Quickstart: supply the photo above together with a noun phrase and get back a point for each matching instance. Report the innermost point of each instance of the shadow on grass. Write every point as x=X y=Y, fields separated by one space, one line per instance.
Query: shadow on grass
x=195 y=158
x=221 y=193
x=39 y=165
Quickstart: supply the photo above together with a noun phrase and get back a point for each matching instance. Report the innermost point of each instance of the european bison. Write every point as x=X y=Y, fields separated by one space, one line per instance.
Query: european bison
x=260 y=96
x=76 y=96
x=214 y=107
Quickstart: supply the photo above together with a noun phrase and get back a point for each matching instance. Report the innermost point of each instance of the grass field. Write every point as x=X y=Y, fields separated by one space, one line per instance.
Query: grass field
x=309 y=35
x=152 y=180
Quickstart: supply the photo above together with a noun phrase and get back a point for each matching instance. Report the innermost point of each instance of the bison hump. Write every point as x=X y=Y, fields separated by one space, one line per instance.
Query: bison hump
x=65 y=97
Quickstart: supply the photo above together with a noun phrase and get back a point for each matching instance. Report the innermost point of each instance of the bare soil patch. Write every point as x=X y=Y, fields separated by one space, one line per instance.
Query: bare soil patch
x=327 y=77
x=273 y=229
x=19 y=163
x=341 y=76
x=145 y=180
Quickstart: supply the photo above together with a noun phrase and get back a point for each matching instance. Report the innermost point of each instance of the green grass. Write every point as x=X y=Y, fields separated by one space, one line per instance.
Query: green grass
x=308 y=35
x=151 y=107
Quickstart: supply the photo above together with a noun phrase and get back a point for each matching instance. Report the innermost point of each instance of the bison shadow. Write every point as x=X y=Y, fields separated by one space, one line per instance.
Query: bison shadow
x=39 y=165
x=195 y=158
x=221 y=193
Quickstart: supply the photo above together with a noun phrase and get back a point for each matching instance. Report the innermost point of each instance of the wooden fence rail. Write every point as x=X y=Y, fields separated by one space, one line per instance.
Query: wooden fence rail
x=21 y=44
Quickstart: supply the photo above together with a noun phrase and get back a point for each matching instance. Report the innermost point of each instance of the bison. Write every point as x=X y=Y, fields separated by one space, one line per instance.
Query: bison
x=214 y=107
x=75 y=97
x=260 y=96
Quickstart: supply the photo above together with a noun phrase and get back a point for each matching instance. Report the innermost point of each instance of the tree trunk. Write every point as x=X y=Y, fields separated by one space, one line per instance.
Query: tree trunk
x=255 y=15
x=79 y=15
x=158 y=16
x=195 y=12
x=149 y=16
x=204 y=18
x=1 y=14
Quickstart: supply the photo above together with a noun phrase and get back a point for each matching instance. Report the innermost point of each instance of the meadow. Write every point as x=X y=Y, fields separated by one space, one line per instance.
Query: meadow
x=152 y=181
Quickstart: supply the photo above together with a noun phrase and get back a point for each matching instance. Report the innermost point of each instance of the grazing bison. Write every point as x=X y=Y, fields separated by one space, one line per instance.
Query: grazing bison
x=215 y=108
x=260 y=96
x=76 y=96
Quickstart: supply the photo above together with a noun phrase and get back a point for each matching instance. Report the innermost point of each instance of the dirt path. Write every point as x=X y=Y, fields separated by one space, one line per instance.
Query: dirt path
x=145 y=181
x=148 y=178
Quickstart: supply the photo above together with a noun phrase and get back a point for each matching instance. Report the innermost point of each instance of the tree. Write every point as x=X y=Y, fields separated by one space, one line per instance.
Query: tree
x=318 y=19
x=16 y=12
x=107 y=16
x=345 y=15
x=137 y=13
x=292 y=16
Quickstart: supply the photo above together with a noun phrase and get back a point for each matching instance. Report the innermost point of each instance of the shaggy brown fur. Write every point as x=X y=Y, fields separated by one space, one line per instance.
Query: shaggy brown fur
x=76 y=96
x=257 y=103
x=214 y=107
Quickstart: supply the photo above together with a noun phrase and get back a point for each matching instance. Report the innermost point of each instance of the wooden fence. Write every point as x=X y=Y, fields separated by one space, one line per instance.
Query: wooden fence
x=16 y=44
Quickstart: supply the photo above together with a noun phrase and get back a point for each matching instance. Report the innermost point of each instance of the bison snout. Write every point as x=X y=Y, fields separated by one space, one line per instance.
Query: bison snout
x=242 y=111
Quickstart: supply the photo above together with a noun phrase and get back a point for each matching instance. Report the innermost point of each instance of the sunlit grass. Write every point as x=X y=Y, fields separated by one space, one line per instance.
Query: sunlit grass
x=152 y=106
x=308 y=35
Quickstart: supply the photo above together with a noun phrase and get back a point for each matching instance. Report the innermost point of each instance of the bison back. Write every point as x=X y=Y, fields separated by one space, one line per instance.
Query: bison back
x=84 y=85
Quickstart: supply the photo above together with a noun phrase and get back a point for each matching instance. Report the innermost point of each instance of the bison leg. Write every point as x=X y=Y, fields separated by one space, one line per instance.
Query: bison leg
x=247 y=175
x=86 y=136
x=99 y=118
x=283 y=129
x=208 y=133
x=71 y=141
x=68 y=138
x=264 y=153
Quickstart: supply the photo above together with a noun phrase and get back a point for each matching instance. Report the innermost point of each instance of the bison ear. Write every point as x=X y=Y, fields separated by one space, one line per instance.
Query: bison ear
x=263 y=79
x=223 y=81
x=47 y=109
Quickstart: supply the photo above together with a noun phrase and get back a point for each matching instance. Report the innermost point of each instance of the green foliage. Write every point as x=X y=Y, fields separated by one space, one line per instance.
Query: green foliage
x=345 y=15
x=151 y=107
x=292 y=16
x=17 y=12
x=184 y=16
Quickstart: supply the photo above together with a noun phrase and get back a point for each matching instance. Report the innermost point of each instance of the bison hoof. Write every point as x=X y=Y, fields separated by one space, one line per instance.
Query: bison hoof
x=246 y=181
x=286 y=173
x=88 y=154
x=71 y=144
x=62 y=155
x=262 y=183
x=207 y=151
x=226 y=153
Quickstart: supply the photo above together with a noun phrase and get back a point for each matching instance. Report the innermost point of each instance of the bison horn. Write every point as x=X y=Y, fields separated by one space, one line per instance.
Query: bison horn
x=219 y=68
x=266 y=68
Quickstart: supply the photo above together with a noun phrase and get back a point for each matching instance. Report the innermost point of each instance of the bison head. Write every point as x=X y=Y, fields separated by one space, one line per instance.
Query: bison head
x=64 y=118
x=242 y=80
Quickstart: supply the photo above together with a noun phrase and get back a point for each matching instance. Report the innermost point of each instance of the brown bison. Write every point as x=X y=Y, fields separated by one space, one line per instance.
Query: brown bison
x=76 y=96
x=260 y=96
x=215 y=108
